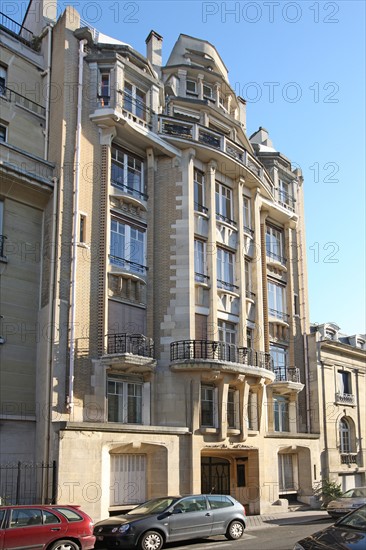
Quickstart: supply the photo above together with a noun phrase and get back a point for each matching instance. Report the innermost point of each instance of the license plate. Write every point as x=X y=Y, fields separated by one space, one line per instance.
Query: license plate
x=100 y=537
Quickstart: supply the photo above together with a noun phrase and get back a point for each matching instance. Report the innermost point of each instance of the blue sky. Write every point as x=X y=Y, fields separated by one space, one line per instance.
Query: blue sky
x=301 y=67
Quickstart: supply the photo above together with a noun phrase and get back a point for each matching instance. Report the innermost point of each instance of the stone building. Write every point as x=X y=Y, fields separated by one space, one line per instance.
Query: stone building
x=170 y=290
x=337 y=385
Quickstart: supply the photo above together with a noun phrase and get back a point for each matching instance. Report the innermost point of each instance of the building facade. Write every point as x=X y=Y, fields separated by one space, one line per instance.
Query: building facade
x=337 y=384
x=170 y=292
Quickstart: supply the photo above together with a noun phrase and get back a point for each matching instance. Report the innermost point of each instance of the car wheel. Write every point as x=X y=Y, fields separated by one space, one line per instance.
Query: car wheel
x=64 y=545
x=235 y=530
x=151 y=540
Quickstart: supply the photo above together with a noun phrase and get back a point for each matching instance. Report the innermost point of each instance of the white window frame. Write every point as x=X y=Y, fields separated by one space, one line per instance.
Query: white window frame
x=247 y=214
x=275 y=243
x=248 y=277
x=342 y=377
x=129 y=246
x=200 y=261
x=199 y=191
x=233 y=409
x=3 y=79
x=345 y=440
x=136 y=104
x=128 y=164
x=123 y=399
x=209 y=394
x=225 y=269
x=104 y=88
x=224 y=202
x=277 y=300
x=194 y=91
x=205 y=88
x=280 y=414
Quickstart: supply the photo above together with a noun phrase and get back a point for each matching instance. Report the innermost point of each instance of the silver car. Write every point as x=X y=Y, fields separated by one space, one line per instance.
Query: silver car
x=351 y=499
x=171 y=519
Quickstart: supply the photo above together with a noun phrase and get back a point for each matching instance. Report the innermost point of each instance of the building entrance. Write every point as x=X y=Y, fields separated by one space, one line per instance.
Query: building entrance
x=215 y=475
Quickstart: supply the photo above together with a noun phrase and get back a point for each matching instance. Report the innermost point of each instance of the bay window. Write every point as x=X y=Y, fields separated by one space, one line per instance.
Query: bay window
x=128 y=245
x=134 y=100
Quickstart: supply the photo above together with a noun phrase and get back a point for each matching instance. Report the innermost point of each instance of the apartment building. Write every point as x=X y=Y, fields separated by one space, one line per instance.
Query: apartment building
x=171 y=277
x=338 y=412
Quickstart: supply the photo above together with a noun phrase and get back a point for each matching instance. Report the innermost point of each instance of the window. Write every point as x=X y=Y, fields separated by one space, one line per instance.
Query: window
x=192 y=504
x=3 y=79
x=219 y=501
x=277 y=301
x=2 y=236
x=225 y=269
x=227 y=335
x=279 y=358
x=223 y=203
x=344 y=382
x=207 y=91
x=274 y=244
x=296 y=304
x=24 y=517
x=127 y=173
x=82 y=228
x=3 y=132
x=200 y=266
x=134 y=100
x=209 y=406
x=248 y=279
x=344 y=436
x=233 y=408
x=284 y=194
x=191 y=87
x=104 y=88
x=124 y=401
x=127 y=246
x=252 y=412
x=286 y=472
x=280 y=414
x=247 y=216
x=199 y=191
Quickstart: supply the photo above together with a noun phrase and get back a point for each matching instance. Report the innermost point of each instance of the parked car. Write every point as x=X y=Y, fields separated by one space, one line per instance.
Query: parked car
x=347 y=502
x=40 y=527
x=169 y=519
x=348 y=533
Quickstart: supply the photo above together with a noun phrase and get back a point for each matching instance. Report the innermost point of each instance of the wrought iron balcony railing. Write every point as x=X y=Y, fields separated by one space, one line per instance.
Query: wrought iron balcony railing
x=136 y=344
x=225 y=285
x=129 y=190
x=287 y=374
x=200 y=208
x=225 y=219
x=286 y=199
x=128 y=105
x=219 y=351
x=16 y=29
x=133 y=267
x=2 y=246
x=23 y=101
x=276 y=257
x=201 y=278
x=345 y=398
x=279 y=315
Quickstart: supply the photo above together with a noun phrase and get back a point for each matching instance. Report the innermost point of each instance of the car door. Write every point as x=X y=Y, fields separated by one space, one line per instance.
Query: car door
x=190 y=519
x=32 y=528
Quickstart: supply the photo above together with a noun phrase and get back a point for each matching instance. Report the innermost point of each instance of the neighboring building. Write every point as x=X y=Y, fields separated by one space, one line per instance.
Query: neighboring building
x=337 y=384
x=173 y=287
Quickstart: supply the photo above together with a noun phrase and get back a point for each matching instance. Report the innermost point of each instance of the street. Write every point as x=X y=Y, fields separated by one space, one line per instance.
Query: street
x=278 y=534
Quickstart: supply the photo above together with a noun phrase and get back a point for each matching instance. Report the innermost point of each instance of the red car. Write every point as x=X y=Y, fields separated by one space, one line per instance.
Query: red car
x=40 y=527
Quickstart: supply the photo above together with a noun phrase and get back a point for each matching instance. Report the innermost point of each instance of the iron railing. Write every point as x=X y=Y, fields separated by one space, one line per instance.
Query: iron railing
x=129 y=190
x=345 y=398
x=225 y=219
x=225 y=285
x=28 y=483
x=276 y=257
x=201 y=278
x=348 y=458
x=136 y=344
x=286 y=199
x=23 y=101
x=219 y=351
x=200 y=208
x=287 y=374
x=128 y=105
x=279 y=315
x=16 y=29
x=2 y=246
x=133 y=267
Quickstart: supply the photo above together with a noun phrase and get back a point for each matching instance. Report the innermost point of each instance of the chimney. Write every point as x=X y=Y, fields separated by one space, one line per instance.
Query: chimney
x=154 y=50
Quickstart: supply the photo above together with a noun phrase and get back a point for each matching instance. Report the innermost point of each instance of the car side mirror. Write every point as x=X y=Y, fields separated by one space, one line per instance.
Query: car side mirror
x=177 y=511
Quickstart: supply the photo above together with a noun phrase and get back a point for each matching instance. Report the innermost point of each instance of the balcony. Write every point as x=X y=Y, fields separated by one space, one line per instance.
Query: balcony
x=129 y=353
x=120 y=266
x=349 y=458
x=285 y=199
x=287 y=380
x=15 y=29
x=345 y=399
x=237 y=359
x=121 y=104
x=19 y=99
x=278 y=315
x=191 y=131
x=272 y=257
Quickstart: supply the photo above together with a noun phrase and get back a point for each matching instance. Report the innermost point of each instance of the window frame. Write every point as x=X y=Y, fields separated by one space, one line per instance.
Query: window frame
x=275 y=243
x=123 y=410
x=232 y=409
x=3 y=79
x=128 y=264
x=190 y=92
x=247 y=214
x=200 y=261
x=277 y=300
x=212 y=413
x=280 y=414
x=199 y=191
x=121 y=159
x=224 y=203
x=345 y=436
x=3 y=132
x=136 y=103
x=225 y=266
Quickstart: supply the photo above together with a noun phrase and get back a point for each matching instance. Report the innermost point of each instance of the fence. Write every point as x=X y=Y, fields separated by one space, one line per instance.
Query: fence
x=28 y=483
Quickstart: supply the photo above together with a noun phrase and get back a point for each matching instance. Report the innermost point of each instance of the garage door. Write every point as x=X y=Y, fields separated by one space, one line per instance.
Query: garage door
x=128 y=479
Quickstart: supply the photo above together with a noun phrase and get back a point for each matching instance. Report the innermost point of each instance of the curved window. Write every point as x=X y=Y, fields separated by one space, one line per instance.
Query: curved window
x=344 y=436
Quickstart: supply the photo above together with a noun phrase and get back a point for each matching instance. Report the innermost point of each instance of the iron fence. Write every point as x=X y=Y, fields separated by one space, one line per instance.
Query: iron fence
x=28 y=483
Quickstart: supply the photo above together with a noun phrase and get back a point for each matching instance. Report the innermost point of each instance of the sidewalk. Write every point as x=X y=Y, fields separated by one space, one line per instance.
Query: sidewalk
x=266 y=521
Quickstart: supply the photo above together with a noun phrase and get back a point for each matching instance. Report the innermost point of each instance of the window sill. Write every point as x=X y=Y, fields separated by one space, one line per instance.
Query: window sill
x=209 y=430
x=233 y=431
x=84 y=245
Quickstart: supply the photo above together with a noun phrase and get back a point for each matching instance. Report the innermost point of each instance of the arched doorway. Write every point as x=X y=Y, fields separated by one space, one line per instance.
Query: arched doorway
x=215 y=475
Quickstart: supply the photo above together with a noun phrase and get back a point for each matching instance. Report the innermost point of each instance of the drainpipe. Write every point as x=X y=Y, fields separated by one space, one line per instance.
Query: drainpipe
x=307 y=385
x=70 y=397
x=48 y=92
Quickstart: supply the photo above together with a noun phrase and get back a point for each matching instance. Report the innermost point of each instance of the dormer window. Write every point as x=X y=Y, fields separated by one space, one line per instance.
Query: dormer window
x=191 y=87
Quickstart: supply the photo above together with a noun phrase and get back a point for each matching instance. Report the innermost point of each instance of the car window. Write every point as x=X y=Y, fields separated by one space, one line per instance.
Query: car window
x=191 y=504
x=69 y=514
x=25 y=517
x=2 y=515
x=219 y=501
x=48 y=518
x=356 y=520
x=154 y=506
